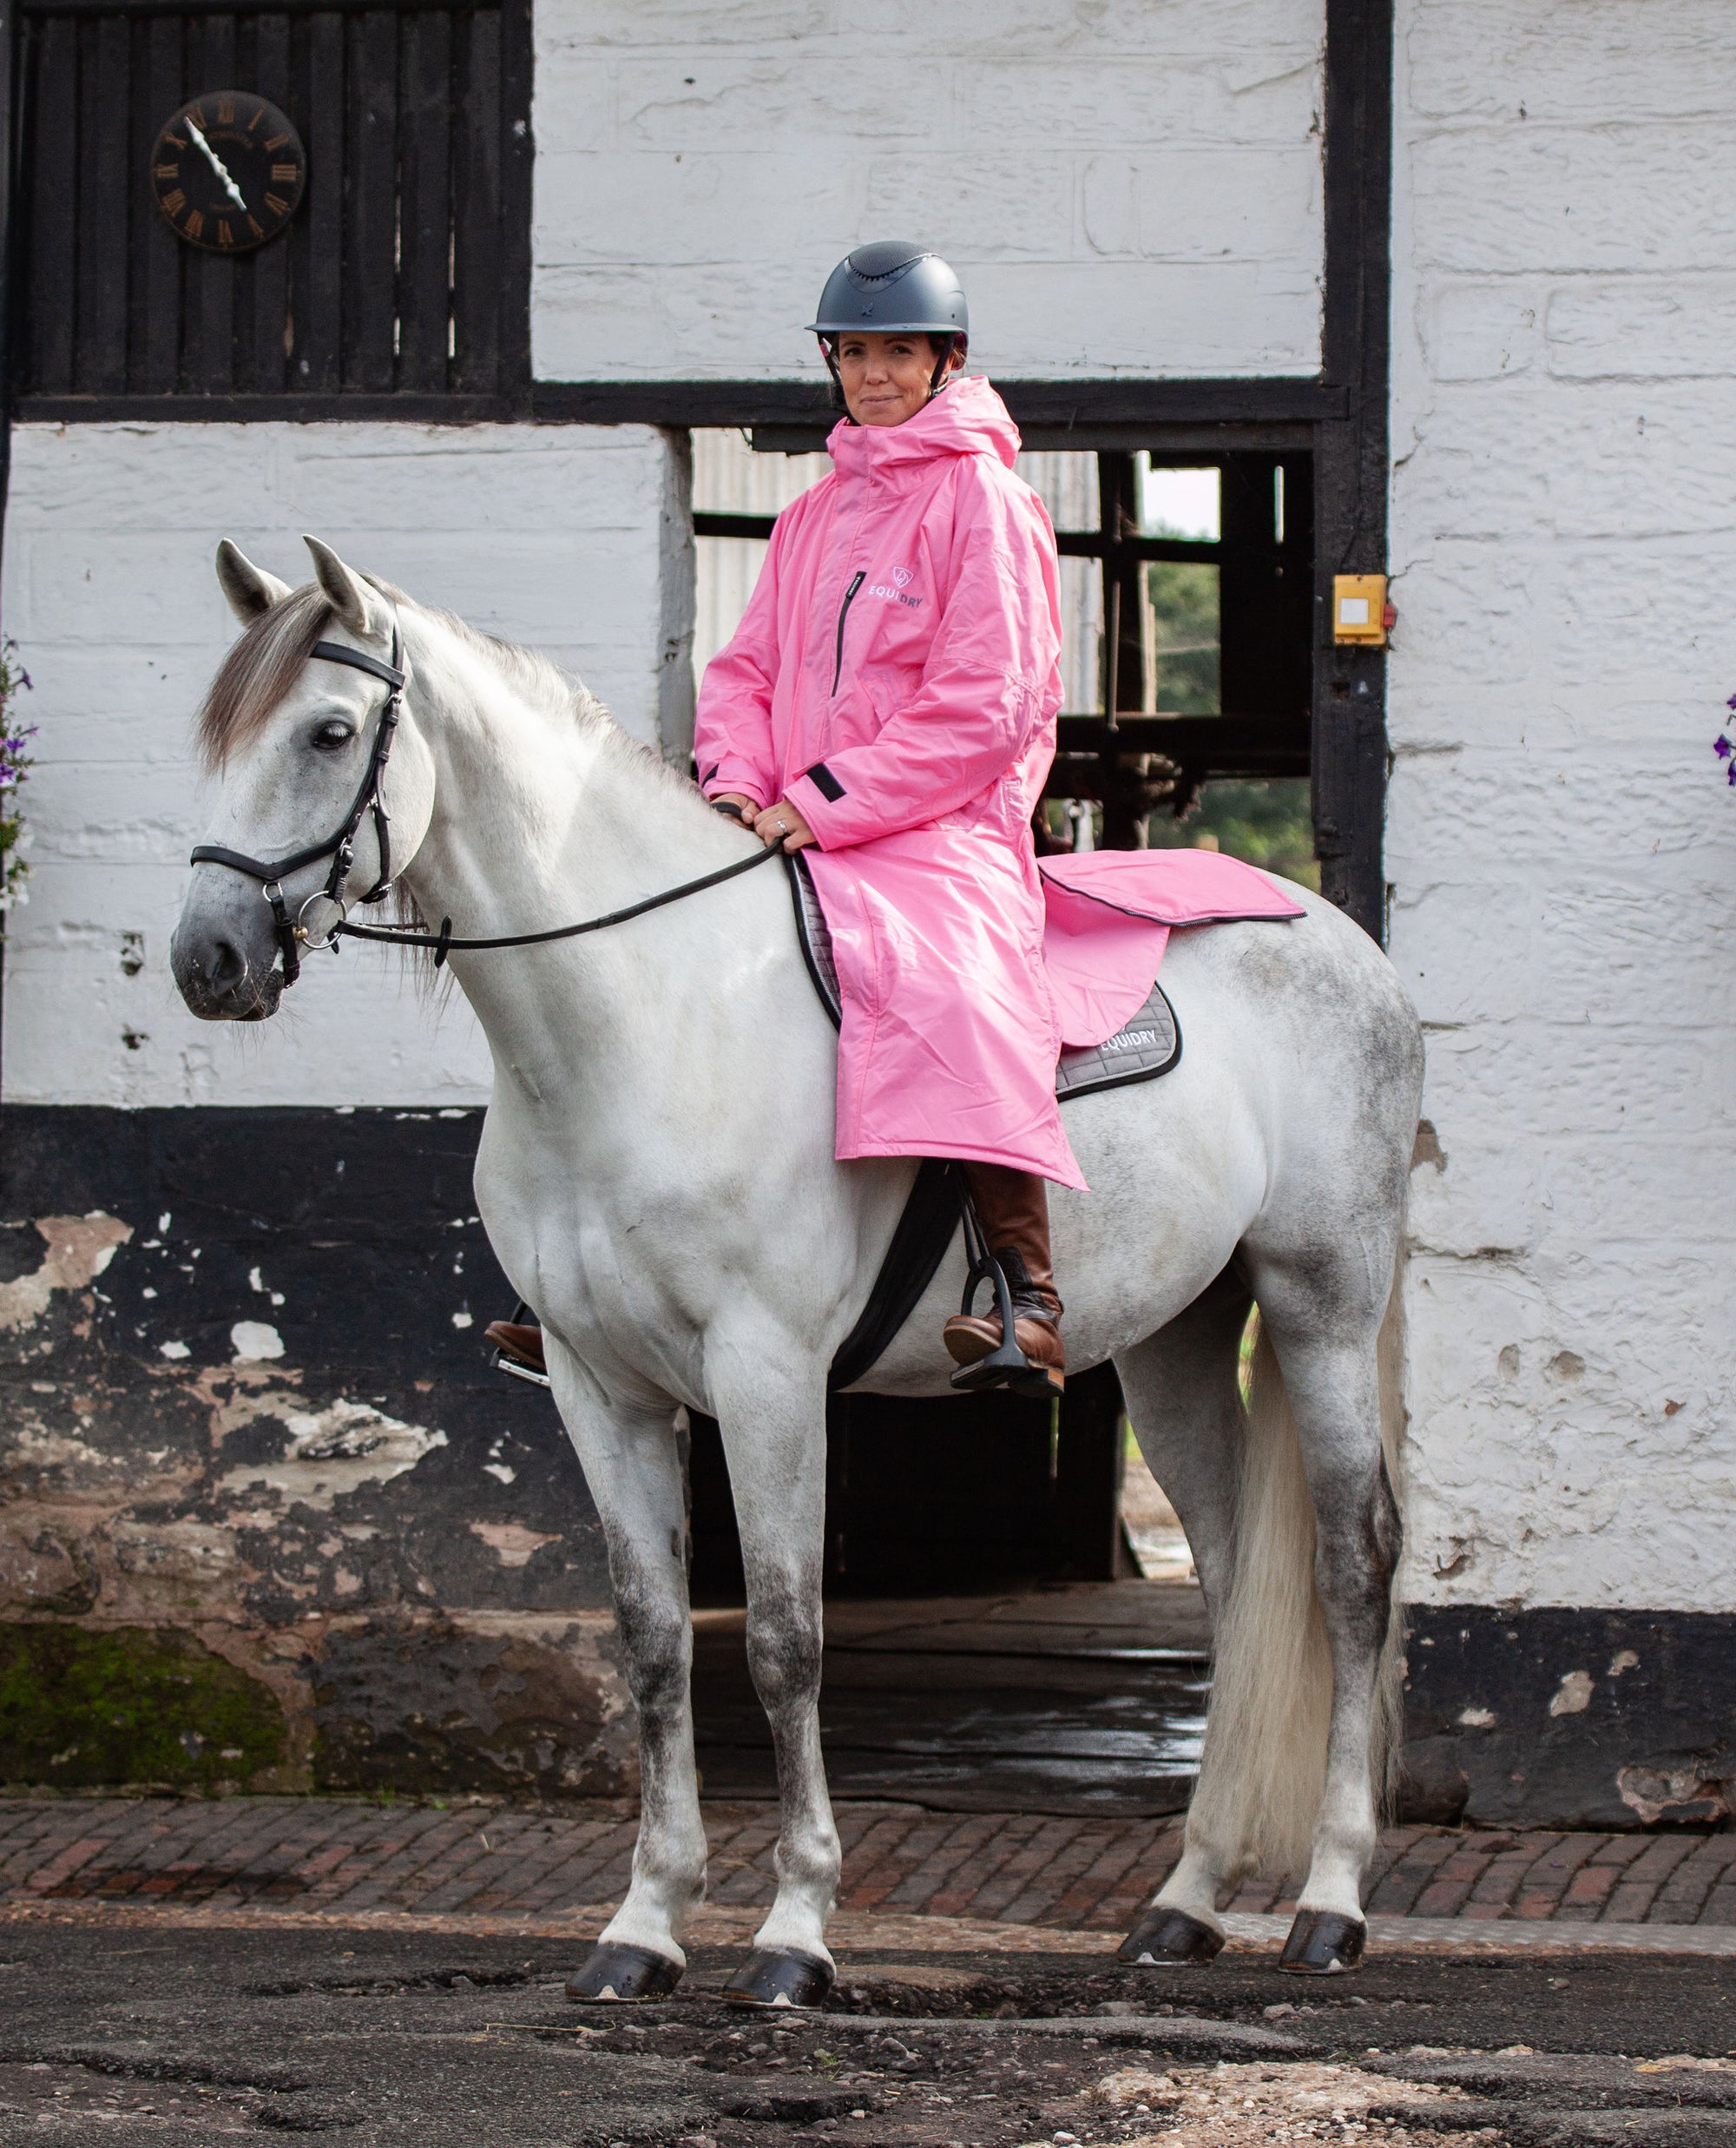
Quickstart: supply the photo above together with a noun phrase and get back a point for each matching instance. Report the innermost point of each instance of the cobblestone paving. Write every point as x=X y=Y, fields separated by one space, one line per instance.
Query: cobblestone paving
x=339 y=1856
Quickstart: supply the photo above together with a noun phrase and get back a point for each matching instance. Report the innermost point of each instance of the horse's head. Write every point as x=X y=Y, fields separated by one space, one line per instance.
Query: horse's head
x=298 y=726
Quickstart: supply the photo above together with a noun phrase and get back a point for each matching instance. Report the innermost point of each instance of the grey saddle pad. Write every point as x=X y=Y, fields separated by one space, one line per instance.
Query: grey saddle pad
x=1144 y=1047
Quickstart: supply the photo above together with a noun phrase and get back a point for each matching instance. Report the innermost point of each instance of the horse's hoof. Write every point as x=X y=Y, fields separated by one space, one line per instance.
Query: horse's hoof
x=1165 y=1935
x=1321 y=1943
x=616 y=1973
x=780 y=1977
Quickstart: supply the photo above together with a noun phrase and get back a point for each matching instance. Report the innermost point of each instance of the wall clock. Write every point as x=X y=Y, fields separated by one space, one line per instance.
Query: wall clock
x=228 y=171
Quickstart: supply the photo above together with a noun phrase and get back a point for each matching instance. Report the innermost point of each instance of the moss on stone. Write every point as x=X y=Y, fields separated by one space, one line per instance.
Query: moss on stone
x=134 y=1705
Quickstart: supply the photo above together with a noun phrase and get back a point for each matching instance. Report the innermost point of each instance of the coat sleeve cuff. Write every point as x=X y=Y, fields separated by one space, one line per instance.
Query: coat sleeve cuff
x=723 y=777
x=819 y=797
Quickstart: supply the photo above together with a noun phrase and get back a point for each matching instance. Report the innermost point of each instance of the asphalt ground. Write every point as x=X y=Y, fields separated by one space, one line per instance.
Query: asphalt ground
x=128 y=2033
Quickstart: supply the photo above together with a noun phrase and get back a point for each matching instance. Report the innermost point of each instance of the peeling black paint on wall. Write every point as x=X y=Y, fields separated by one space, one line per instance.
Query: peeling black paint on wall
x=1566 y=1718
x=163 y=1466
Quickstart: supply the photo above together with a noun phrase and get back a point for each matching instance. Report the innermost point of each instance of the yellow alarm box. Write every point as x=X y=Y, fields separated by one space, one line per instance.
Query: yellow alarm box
x=1359 y=608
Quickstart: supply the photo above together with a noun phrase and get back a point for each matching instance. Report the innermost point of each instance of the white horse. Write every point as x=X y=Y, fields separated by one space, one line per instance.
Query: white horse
x=657 y=1179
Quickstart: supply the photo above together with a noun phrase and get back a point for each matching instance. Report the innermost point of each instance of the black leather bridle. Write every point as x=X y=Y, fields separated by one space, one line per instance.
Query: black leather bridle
x=292 y=934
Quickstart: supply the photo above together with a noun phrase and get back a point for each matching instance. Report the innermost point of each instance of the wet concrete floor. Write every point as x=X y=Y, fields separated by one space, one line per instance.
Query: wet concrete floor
x=177 y=2035
x=1083 y=1699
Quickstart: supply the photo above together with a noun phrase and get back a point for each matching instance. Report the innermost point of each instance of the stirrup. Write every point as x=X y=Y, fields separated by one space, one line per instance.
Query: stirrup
x=1008 y=1367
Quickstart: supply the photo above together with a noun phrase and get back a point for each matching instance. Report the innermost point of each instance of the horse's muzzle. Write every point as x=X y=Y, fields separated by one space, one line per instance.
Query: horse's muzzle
x=224 y=961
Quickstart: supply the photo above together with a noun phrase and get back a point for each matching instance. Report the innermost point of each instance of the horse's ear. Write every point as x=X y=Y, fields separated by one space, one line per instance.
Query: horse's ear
x=359 y=607
x=250 y=589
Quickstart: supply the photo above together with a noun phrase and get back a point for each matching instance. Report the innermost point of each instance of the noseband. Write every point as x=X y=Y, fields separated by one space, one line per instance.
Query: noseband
x=340 y=848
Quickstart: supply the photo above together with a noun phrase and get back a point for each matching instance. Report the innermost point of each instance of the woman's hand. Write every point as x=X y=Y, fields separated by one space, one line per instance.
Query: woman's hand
x=782 y=824
x=744 y=805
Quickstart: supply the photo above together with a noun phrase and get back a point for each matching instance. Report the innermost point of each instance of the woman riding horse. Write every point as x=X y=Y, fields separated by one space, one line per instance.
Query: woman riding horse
x=888 y=700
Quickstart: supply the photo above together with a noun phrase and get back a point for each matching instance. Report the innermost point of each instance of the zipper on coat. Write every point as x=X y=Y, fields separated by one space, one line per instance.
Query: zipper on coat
x=856 y=582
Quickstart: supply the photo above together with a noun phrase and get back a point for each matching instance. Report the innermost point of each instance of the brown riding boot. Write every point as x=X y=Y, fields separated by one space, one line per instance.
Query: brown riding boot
x=519 y=1341
x=1013 y=1209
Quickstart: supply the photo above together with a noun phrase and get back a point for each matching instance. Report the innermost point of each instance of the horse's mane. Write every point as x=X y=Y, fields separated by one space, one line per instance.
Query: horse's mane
x=271 y=653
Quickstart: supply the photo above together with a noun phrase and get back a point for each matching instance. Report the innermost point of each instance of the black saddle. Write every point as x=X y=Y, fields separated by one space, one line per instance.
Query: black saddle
x=1149 y=1046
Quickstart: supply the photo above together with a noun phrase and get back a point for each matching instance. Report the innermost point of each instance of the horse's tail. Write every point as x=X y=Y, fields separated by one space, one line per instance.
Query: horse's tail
x=1263 y=1771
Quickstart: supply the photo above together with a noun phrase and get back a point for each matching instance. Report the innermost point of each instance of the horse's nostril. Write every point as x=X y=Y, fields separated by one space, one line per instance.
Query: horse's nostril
x=227 y=966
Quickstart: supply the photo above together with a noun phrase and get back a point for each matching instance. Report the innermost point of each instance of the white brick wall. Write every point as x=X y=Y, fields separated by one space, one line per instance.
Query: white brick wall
x=573 y=539
x=1564 y=548
x=1125 y=185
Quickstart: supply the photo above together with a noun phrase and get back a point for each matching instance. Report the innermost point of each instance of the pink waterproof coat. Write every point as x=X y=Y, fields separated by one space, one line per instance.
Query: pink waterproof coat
x=895 y=676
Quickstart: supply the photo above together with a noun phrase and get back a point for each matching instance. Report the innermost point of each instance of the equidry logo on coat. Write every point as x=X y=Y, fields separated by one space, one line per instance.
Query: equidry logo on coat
x=894 y=590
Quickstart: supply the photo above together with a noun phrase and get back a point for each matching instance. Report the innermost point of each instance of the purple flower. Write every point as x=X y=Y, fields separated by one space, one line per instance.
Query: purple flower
x=1721 y=747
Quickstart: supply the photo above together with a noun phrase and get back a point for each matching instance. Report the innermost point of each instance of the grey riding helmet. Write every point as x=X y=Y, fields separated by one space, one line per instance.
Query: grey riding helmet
x=890 y=287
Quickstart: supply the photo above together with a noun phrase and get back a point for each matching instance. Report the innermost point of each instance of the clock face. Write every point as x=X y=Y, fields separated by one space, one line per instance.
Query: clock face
x=228 y=171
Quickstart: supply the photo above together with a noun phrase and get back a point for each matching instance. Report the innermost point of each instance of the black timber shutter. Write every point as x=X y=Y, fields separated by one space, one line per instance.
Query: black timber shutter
x=404 y=274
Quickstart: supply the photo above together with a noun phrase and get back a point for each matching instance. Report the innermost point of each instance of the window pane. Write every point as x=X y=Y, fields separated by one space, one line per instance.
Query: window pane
x=729 y=478
x=1268 y=821
x=1181 y=638
x=1067 y=484
x=1081 y=637
x=1176 y=503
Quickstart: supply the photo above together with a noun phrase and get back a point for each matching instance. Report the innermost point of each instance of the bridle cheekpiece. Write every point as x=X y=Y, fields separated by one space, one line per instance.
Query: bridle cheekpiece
x=292 y=933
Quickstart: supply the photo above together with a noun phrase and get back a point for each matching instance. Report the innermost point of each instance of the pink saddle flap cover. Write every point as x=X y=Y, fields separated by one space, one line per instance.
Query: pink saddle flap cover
x=1109 y=914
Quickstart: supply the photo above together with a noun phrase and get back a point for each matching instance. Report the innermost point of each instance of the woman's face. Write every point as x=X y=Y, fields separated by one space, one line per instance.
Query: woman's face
x=886 y=378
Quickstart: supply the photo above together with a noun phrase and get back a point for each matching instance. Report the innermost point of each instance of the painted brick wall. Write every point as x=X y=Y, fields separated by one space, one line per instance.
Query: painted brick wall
x=575 y=539
x=1560 y=850
x=1126 y=185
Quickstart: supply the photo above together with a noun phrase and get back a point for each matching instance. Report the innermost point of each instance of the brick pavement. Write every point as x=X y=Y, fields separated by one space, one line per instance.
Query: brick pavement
x=340 y=1856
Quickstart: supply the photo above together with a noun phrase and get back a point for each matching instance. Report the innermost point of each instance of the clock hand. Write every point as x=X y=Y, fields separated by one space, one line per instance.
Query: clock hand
x=219 y=168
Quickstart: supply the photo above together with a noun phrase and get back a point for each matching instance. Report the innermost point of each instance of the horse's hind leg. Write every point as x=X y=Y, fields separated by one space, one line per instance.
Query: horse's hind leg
x=1185 y=1404
x=775 y=1438
x=632 y=1466
x=1324 y=1329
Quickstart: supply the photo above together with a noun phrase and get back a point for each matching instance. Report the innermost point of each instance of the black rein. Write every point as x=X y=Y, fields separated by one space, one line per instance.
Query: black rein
x=292 y=934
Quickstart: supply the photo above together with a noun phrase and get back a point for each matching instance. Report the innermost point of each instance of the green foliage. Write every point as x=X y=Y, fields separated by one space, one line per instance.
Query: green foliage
x=1181 y=598
x=137 y=1705
x=1268 y=822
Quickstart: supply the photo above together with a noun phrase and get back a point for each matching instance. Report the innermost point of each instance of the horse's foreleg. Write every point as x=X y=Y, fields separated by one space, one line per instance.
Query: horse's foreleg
x=1332 y=1382
x=1185 y=1406
x=774 y=1440
x=632 y=1465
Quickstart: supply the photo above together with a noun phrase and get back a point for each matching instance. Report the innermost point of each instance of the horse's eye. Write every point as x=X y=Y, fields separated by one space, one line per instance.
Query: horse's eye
x=331 y=736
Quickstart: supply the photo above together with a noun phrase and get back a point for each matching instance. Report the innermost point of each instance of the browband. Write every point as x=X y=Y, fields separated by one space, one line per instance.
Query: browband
x=359 y=660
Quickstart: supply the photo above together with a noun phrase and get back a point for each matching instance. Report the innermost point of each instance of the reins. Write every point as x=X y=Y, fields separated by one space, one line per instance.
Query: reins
x=293 y=935
x=444 y=940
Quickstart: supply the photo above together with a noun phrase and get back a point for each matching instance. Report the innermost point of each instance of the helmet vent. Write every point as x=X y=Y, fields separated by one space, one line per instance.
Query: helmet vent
x=882 y=260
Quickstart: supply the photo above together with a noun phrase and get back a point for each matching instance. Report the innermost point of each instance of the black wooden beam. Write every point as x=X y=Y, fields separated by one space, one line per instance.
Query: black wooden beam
x=231 y=410
x=1349 y=753
x=136 y=10
x=1053 y=404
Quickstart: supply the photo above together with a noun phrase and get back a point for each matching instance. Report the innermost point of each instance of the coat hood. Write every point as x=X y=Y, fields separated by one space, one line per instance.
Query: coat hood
x=966 y=418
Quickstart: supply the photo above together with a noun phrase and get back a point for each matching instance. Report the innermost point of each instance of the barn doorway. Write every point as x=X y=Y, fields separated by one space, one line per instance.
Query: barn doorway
x=1013 y=1622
